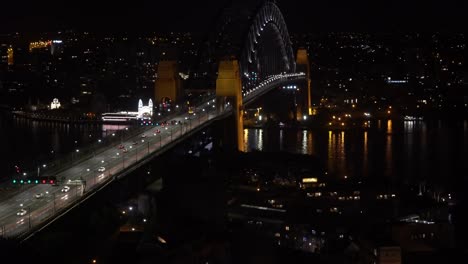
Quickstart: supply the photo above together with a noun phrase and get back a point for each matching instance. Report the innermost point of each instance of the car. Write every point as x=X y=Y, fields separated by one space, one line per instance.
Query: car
x=143 y=136
x=21 y=212
x=121 y=147
x=124 y=150
x=65 y=189
x=101 y=169
x=158 y=131
x=134 y=143
x=39 y=195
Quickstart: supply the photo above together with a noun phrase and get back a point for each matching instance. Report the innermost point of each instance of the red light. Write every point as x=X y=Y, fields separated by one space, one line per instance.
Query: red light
x=43 y=181
x=51 y=181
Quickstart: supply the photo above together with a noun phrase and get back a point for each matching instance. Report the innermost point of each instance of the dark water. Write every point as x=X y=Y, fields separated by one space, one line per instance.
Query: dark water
x=28 y=143
x=395 y=151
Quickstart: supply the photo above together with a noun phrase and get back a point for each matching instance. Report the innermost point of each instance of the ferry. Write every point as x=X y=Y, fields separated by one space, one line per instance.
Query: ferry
x=119 y=117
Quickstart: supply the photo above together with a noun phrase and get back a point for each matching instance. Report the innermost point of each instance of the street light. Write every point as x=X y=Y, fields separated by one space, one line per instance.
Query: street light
x=190 y=122
x=54 y=202
x=118 y=154
x=39 y=169
x=77 y=151
x=29 y=216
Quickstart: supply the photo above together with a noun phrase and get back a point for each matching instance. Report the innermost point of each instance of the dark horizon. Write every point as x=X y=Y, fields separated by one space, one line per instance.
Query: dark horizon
x=301 y=16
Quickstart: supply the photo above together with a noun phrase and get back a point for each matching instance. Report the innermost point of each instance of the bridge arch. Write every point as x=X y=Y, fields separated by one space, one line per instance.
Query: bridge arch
x=267 y=47
x=265 y=50
x=252 y=31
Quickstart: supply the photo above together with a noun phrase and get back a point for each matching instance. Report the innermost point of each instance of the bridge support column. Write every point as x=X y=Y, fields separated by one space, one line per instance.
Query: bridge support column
x=168 y=82
x=229 y=94
x=302 y=64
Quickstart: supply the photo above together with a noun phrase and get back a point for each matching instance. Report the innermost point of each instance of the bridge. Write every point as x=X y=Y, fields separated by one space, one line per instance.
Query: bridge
x=264 y=62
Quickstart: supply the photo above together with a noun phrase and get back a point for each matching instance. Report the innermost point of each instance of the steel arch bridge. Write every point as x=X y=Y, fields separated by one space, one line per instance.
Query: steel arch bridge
x=248 y=54
x=267 y=49
x=254 y=33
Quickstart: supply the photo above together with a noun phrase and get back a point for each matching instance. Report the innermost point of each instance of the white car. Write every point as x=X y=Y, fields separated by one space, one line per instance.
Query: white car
x=21 y=212
x=65 y=189
x=101 y=169
x=39 y=195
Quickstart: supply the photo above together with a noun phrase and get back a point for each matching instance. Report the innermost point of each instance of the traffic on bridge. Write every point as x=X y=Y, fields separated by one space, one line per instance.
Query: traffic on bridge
x=35 y=207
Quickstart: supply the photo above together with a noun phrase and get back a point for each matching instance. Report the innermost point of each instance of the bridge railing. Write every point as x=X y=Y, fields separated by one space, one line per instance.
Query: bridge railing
x=55 y=206
x=57 y=163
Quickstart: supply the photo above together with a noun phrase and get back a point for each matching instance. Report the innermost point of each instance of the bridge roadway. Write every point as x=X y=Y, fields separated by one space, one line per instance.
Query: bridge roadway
x=56 y=201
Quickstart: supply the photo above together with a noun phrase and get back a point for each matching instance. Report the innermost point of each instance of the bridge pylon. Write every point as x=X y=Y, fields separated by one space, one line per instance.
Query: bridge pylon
x=168 y=84
x=229 y=94
x=302 y=64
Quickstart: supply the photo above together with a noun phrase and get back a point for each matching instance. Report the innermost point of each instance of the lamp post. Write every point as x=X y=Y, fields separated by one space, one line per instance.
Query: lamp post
x=39 y=169
x=136 y=153
x=190 y=121
x=118 y=154
x=54 y=203
x=123 y=134
x=77 y=151
x=29 y=216
x=206 y=113
x=170 y=131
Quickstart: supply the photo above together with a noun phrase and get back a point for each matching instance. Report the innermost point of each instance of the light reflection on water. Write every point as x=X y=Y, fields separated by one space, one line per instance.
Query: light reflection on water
x=27 y=142
x=253 y=139
x=411 y=149
x=388 y=150
x=365 y=154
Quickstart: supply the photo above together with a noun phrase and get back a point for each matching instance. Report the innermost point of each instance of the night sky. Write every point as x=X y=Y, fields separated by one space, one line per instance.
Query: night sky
x=301 y=16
